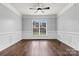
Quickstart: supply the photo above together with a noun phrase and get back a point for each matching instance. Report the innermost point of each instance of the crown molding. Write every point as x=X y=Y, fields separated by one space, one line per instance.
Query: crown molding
x=66 y=8
x=10 y=7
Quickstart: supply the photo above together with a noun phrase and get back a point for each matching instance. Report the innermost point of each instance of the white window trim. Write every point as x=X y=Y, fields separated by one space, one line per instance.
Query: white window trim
x=39 y=29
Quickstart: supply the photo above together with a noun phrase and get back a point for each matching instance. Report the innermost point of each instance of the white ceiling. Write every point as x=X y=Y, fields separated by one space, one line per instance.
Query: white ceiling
x=23 y=8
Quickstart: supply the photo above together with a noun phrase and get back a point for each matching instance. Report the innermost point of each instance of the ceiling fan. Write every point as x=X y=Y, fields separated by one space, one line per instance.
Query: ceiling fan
x=40 y=8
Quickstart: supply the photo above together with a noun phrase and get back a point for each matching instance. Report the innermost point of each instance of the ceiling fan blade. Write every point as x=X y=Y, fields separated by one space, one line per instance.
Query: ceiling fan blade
x=46 y=8
x=32 y=8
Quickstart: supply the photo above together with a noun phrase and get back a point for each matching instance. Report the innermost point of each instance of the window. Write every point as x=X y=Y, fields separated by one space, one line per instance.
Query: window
x=35 y=27
x=39 y=27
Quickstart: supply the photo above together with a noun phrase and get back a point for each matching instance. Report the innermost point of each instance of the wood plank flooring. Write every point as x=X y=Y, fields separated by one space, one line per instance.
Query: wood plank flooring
x=39 y=48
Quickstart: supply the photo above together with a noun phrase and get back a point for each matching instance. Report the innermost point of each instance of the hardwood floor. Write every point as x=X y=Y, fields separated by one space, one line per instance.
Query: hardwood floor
x=39 y=48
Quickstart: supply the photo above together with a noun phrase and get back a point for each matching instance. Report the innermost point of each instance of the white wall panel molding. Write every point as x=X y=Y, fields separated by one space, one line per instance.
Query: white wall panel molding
x=9 y=38
x=10 y=32
x=71 y=33
x=69 y=38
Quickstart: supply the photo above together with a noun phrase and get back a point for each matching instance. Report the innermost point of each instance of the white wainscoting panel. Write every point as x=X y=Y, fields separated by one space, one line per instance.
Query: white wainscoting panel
x=69 y=38
x=8 y=39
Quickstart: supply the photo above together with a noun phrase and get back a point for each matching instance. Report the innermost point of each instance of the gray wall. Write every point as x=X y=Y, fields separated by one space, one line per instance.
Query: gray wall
x=68 y=27
x=10 y=27
x=51 y=26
